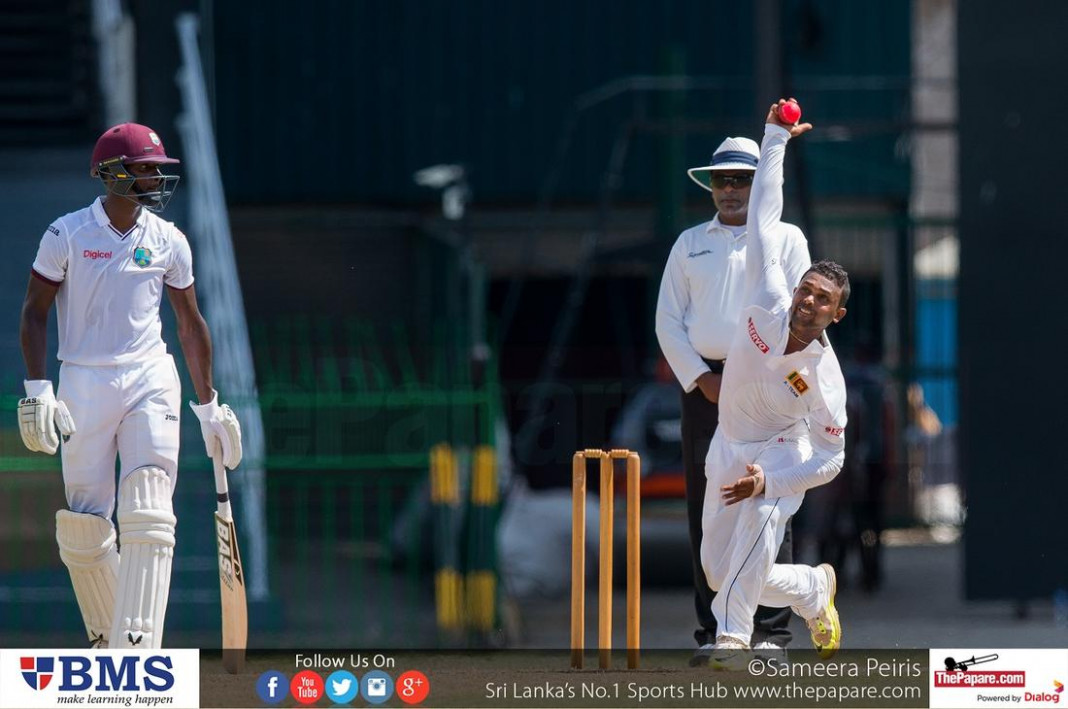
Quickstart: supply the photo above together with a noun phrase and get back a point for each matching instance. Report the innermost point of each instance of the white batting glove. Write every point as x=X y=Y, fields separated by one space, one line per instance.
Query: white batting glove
x=40 y=414
x=220 y=427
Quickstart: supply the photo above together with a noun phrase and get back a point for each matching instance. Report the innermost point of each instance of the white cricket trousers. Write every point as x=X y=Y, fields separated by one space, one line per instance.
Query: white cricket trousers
x=130 y=410
x=739 y=542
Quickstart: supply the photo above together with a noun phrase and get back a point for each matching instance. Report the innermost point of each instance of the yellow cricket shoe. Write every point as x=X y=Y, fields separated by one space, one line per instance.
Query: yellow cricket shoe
x=826 y=628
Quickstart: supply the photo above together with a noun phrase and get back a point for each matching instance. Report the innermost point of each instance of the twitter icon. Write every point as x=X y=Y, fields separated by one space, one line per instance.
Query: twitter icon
x=342 y=687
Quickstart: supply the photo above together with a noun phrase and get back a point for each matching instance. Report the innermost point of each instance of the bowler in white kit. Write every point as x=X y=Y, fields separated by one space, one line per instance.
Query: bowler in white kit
x=106 y=268
x=697 y=314
x=782 y=417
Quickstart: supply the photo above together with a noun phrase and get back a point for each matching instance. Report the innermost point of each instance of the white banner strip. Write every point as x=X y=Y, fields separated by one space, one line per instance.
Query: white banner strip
x=37 y=678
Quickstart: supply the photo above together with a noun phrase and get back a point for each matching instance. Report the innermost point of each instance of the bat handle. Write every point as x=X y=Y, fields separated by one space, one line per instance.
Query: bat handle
x=222 y=489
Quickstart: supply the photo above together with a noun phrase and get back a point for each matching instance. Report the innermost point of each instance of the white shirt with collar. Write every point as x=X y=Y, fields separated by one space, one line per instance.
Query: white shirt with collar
x=111 y=284
x=766 y=395
x=702 y=293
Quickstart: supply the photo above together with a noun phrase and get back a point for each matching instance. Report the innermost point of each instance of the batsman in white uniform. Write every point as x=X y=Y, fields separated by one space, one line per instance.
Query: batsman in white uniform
x=782 y=418
x=106 y=267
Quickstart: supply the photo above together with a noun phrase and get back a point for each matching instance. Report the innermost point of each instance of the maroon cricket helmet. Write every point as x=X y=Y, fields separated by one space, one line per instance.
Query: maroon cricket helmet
x=132 y=142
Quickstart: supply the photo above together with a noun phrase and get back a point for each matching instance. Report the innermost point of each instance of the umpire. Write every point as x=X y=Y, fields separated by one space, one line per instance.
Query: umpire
x=697 y=316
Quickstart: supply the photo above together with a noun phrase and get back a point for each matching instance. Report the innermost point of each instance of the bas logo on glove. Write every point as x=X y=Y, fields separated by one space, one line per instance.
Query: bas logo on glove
x=39 y=416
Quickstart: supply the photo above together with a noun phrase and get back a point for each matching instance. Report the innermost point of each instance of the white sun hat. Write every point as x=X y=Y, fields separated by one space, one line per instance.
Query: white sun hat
x=732 y=154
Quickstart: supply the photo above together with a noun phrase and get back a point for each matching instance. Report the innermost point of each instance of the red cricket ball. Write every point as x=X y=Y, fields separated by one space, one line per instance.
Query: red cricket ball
x=790 y=112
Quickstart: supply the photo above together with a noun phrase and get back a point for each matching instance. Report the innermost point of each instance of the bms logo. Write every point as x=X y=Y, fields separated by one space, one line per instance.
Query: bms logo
x=101 y=673
x=37 y=671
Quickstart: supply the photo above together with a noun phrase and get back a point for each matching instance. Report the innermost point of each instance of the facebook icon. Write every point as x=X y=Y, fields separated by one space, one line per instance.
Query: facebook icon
x=272 y=687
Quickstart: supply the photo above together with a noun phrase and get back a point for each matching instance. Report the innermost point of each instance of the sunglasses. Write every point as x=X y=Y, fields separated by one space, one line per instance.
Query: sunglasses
x=736 y=181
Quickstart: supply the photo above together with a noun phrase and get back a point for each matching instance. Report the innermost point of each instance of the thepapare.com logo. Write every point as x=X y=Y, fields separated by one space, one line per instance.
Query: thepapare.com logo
x=115 y=677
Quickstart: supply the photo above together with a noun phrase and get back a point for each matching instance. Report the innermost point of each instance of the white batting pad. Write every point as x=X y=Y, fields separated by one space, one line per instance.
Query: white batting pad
x=87 y=547
x=146 y=538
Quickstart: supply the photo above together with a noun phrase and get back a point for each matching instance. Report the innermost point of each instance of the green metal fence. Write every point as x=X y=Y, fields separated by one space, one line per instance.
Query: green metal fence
x=351 y=416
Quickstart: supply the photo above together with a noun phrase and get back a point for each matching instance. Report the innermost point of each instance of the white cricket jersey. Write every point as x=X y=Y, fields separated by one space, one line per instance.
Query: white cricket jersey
x=702 y=293
x=766 y=395
x=111 y=284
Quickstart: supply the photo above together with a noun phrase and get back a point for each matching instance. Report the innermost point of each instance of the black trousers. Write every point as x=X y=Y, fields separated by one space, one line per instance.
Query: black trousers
x=699 y=420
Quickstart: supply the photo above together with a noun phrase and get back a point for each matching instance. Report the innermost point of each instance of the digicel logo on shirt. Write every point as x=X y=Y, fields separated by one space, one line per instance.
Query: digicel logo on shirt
x=94 y=255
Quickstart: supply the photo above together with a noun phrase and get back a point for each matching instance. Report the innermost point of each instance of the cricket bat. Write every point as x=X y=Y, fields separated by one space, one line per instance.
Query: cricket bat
x=231 y=576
